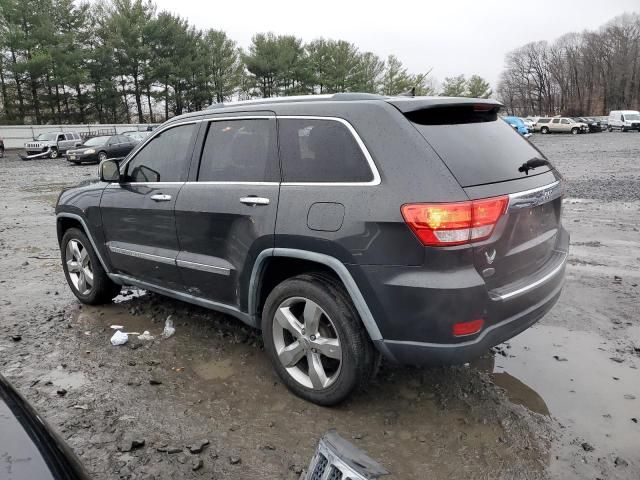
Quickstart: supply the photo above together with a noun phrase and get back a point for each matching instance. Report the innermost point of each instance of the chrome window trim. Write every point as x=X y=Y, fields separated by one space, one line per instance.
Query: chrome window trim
x=372 y=165
x=155 y=133
x=266 y=184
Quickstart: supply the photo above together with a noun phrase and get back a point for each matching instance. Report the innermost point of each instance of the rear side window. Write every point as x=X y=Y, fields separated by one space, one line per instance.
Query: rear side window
x=240 y=151
x=485 y=151
x=313 y=150
x=164 y=158
x=544 y=120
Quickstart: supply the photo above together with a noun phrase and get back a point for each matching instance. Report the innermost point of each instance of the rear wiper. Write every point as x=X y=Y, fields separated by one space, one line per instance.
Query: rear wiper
x=531 y=164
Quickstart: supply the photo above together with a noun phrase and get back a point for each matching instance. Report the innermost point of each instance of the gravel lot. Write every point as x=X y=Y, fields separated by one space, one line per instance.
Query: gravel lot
x=562 y=400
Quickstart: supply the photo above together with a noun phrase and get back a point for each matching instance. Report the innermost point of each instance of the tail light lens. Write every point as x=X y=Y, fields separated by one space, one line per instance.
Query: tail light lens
x=447 y=224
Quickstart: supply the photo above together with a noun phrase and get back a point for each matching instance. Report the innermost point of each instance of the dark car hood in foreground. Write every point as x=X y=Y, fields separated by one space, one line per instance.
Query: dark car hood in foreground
x=29 y=449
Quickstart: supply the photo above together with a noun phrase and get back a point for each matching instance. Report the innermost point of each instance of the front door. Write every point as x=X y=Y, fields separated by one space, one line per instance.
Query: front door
x=226 y=216
x=138 y=213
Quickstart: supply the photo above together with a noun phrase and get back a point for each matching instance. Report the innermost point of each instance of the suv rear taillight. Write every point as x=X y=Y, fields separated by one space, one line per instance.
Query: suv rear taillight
x=447 y=224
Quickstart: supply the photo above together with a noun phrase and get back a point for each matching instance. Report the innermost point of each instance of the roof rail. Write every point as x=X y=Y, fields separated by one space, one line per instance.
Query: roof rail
x=346 y=97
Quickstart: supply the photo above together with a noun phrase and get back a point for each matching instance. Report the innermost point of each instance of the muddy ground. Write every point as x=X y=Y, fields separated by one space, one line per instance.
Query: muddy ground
x=562 y=400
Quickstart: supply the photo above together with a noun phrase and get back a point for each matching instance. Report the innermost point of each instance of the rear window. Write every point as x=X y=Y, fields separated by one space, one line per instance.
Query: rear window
x=477 y=147
x=322 y=151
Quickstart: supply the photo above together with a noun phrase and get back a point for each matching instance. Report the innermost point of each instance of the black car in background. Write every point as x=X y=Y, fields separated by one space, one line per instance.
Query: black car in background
x=29 y=448
x=593 y=123
x=97 y=149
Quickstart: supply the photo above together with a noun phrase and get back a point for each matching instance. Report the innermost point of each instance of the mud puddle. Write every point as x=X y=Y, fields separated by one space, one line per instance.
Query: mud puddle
x=589 y=384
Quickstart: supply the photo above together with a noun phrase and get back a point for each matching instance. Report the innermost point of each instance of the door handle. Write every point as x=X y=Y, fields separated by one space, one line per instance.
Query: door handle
x=160 y=197
x=252 y=200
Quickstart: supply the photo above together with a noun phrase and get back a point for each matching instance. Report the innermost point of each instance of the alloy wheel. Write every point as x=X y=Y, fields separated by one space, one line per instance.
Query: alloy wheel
x=79 y=266
x=307 y=343
x=102 y=156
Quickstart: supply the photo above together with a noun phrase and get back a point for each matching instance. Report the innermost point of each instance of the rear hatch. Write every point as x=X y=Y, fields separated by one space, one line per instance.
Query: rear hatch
x=487 y=156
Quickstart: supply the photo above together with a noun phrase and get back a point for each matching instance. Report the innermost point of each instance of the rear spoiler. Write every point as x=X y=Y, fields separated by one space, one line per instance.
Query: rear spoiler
x=412 y=104
x=447 y=110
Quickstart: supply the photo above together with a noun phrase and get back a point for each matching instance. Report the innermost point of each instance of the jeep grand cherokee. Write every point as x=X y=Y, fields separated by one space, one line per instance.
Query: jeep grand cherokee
x=348 y=227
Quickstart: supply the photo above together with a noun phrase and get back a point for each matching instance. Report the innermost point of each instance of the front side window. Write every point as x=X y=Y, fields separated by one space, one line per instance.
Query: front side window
x=240 y=151
x=313 y=150
x=164 y=158
x=555 y=120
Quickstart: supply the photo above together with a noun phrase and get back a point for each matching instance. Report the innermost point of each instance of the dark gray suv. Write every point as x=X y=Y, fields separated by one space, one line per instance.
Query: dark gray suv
x=347 y=227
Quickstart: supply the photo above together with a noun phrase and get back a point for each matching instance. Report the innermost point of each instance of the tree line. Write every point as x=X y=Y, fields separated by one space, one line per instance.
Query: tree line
x=123 y=61
x=588 y=73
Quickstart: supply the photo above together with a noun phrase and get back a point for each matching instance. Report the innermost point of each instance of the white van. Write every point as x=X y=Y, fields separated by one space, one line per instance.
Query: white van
x=624 y=120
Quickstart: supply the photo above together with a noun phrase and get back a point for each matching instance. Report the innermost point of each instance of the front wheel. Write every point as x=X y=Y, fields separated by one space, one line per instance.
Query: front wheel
x=53 y=153
x=102 y=156
x=315 y=340
x=544 y=130
x=83 y=271
x=575 y=130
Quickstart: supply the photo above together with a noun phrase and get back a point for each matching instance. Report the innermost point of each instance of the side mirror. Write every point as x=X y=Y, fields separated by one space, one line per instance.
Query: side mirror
x=109 y=171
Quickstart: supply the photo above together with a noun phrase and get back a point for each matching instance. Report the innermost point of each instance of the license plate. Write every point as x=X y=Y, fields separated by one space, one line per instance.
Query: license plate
x=72 y=157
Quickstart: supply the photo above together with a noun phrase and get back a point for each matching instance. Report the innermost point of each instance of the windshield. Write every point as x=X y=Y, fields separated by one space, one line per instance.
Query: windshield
x=632 y=116
x=47 y=136
x=96 y=141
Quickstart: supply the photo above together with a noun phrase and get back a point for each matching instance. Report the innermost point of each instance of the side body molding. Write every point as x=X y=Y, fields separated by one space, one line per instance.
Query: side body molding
x=336 y=265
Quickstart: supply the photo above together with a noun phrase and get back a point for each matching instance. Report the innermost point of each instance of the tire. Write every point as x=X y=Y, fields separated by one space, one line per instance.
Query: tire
x=1 y=152
x=575 y=130
x=102 y=290
x=338 y=373
x=544 y=130
x=610 y=129
x=102 y=156
x=53 y=153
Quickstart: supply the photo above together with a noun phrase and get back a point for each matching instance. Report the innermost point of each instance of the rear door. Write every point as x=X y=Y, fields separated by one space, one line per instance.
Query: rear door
x=486 y=157
x=138 y=213
x=555 y=125
x=226 y=213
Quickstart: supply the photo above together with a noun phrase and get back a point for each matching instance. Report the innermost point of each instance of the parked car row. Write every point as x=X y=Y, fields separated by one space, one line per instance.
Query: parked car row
x=77 y=150
x=624 y=120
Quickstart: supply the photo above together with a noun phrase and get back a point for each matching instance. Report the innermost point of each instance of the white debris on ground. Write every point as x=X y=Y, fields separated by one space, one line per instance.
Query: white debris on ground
x=169 y=329
x=119 y=338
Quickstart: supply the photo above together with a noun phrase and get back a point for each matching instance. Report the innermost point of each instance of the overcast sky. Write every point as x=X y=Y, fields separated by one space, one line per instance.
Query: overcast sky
x=450 y=36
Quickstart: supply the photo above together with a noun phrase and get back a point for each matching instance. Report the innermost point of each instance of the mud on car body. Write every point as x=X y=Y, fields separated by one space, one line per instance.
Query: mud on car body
x=347 y=227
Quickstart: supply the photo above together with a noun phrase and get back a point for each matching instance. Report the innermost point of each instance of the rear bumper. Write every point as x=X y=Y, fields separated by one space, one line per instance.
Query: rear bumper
x=416 y=309
x=423 y=353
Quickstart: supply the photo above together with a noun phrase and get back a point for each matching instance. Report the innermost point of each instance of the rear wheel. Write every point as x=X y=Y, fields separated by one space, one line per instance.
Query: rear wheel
x=315 y=339
x=83 y=270
x=1 y=152
x=610 y=129
x=575 y=130
x=544 y=130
